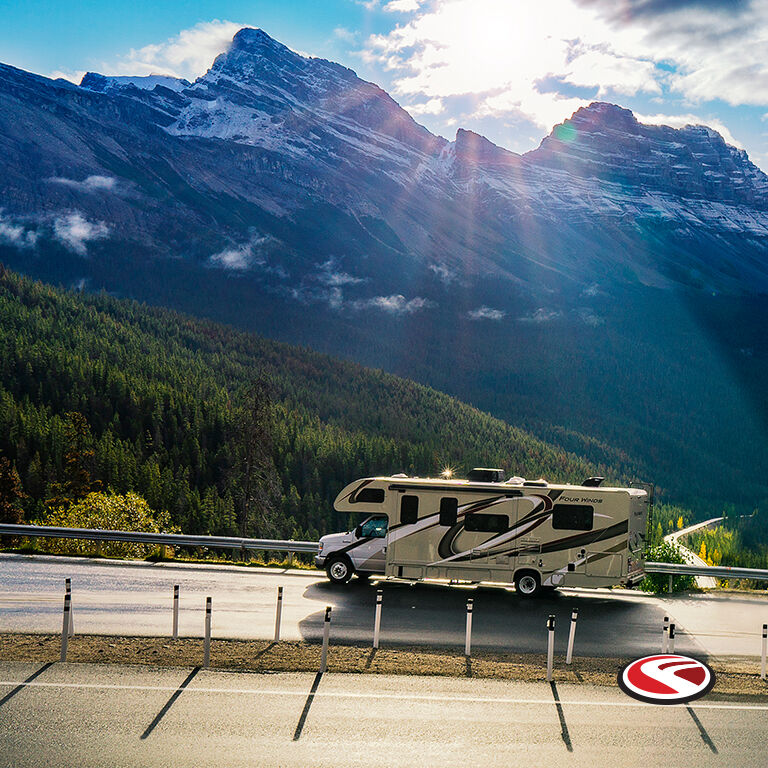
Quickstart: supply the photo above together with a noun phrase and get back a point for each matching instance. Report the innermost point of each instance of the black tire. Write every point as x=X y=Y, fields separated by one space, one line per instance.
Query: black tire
x=528 y=584
x=339 y=570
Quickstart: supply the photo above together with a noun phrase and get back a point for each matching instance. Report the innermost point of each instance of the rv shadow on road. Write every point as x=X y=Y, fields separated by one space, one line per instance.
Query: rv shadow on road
x=435 y=615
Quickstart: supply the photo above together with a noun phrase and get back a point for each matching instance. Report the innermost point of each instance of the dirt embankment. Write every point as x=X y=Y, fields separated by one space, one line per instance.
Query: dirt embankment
x=735 y=679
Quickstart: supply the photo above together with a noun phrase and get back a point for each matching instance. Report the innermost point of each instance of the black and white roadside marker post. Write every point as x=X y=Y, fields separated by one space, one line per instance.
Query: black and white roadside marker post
x=68 y=591
x=765 y=650
x=550 y=645
x=278 y=613
x=65 y=625
x=326 y=637
x=665 y=635
x=175 y=629
x=671 y=644
x=207 y=641
x=571 y=635
x=377 y=617
x=468 y=638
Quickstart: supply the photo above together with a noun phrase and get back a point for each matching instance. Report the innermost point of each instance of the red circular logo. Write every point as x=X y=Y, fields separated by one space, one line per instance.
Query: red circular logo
x=666 y=679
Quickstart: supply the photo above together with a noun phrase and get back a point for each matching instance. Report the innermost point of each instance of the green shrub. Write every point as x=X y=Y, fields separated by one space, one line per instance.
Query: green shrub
x=108 y=511
x=659 y=582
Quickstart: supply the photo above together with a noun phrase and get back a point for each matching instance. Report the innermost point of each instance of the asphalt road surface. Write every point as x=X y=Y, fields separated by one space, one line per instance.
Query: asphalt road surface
x=113 y=597
x=94 y=715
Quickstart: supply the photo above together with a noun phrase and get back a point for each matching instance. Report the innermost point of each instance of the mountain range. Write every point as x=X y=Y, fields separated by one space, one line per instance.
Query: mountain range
x=609 y=283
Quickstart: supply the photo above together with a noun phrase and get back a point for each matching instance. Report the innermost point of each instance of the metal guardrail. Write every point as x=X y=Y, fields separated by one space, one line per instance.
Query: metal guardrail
x=162 y=539
x=717 y=571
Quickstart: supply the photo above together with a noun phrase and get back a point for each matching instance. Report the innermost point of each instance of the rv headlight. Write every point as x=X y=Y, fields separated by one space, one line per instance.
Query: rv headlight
x=319 y=547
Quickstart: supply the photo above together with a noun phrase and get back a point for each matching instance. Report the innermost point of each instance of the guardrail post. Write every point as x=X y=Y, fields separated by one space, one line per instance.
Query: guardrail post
x=65 y=625
x=765 y=648
x=207 y=641
x=377 y=618
x=670 y=584
x=571 y=635
x=665 y=635
x=326 y=637
x=550 y=645
x=278 y=613
x=175 y=629
x=671 y=647
x=68 y=591
x=468 y=638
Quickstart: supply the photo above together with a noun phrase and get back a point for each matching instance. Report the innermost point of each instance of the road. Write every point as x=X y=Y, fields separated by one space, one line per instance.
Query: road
x=134 y=598
x=690 y=557
x=94 y=715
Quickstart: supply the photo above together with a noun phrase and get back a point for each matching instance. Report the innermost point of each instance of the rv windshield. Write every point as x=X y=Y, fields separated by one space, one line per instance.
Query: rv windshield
x=374 y=527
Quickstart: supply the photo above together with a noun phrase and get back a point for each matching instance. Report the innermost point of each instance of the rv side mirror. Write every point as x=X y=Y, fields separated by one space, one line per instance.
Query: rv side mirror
x=359 y=532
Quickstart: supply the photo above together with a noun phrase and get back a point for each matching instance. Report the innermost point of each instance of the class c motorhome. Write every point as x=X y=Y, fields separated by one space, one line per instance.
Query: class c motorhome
x=532 y=534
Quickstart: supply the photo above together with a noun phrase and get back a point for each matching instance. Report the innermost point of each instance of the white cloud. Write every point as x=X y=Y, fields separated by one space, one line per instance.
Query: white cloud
x=89 y=184
x=520 y=59
x=395 y=305
x=73 y=76
x=244 y=256
x=431 y=107
x=680 y=121
x=588 y=317
x=14 y=233
x=188 y=54
x=332 y=276
x=541 y=316
x=347 y=35
x=444 y=273
x=75 y=231
x=486 y=313
x=402 y=6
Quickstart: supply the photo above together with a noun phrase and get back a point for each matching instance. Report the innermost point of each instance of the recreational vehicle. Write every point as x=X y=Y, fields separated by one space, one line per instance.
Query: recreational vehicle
x=532 y=534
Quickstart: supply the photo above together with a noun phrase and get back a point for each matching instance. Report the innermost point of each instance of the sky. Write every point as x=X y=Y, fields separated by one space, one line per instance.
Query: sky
x=508 y=69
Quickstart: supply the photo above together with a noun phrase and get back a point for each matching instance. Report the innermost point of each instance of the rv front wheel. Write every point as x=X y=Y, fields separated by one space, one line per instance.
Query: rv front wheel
x=339 y=570
x=528 y=584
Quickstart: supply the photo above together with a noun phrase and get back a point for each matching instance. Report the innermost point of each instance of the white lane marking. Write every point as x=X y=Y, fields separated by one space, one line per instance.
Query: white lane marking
x=395 y=696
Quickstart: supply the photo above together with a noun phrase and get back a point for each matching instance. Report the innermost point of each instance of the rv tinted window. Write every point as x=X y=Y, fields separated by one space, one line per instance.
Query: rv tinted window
x=486 y=523
x=370 y=496
x=448 y=511
x=409 y=509
x=572 y=517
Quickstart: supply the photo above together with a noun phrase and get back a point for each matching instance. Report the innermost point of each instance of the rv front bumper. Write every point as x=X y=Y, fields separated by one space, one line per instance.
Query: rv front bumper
x=319 y=561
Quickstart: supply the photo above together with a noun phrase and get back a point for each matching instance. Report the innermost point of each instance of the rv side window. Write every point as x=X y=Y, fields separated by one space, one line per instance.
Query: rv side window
x=370 y=496
x=486 y=523
x=409 y=509
x=572 y=517
x=448 y=511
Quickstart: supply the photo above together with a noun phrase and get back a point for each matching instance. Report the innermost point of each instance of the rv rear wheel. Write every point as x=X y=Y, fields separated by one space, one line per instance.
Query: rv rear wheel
x=528 y=584
x=339 y=570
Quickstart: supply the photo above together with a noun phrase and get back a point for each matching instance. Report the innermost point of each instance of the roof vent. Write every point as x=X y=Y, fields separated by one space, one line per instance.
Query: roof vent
x=593 y=482
x=485 y=475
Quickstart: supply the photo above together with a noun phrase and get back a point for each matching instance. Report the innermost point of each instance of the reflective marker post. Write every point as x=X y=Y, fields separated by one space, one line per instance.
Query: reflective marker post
x=207 y=641
x=65 y=625
x=571 y=635
x=765 y=648
x=175 y=632
x=377 y=618
x=665 y=635
x=326 y=636
x=278 y=613
x=68 y=591
x=550 y=645
x=671 y=647
x=468 y=639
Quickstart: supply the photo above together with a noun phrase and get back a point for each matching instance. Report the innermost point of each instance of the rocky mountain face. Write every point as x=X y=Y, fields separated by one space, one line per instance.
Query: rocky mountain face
x=286 y=195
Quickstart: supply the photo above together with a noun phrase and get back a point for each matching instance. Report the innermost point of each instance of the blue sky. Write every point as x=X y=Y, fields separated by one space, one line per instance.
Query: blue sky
x=508 y=69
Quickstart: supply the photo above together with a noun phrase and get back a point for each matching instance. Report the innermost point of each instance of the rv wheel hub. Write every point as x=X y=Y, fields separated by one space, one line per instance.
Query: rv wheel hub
x=339 y=569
